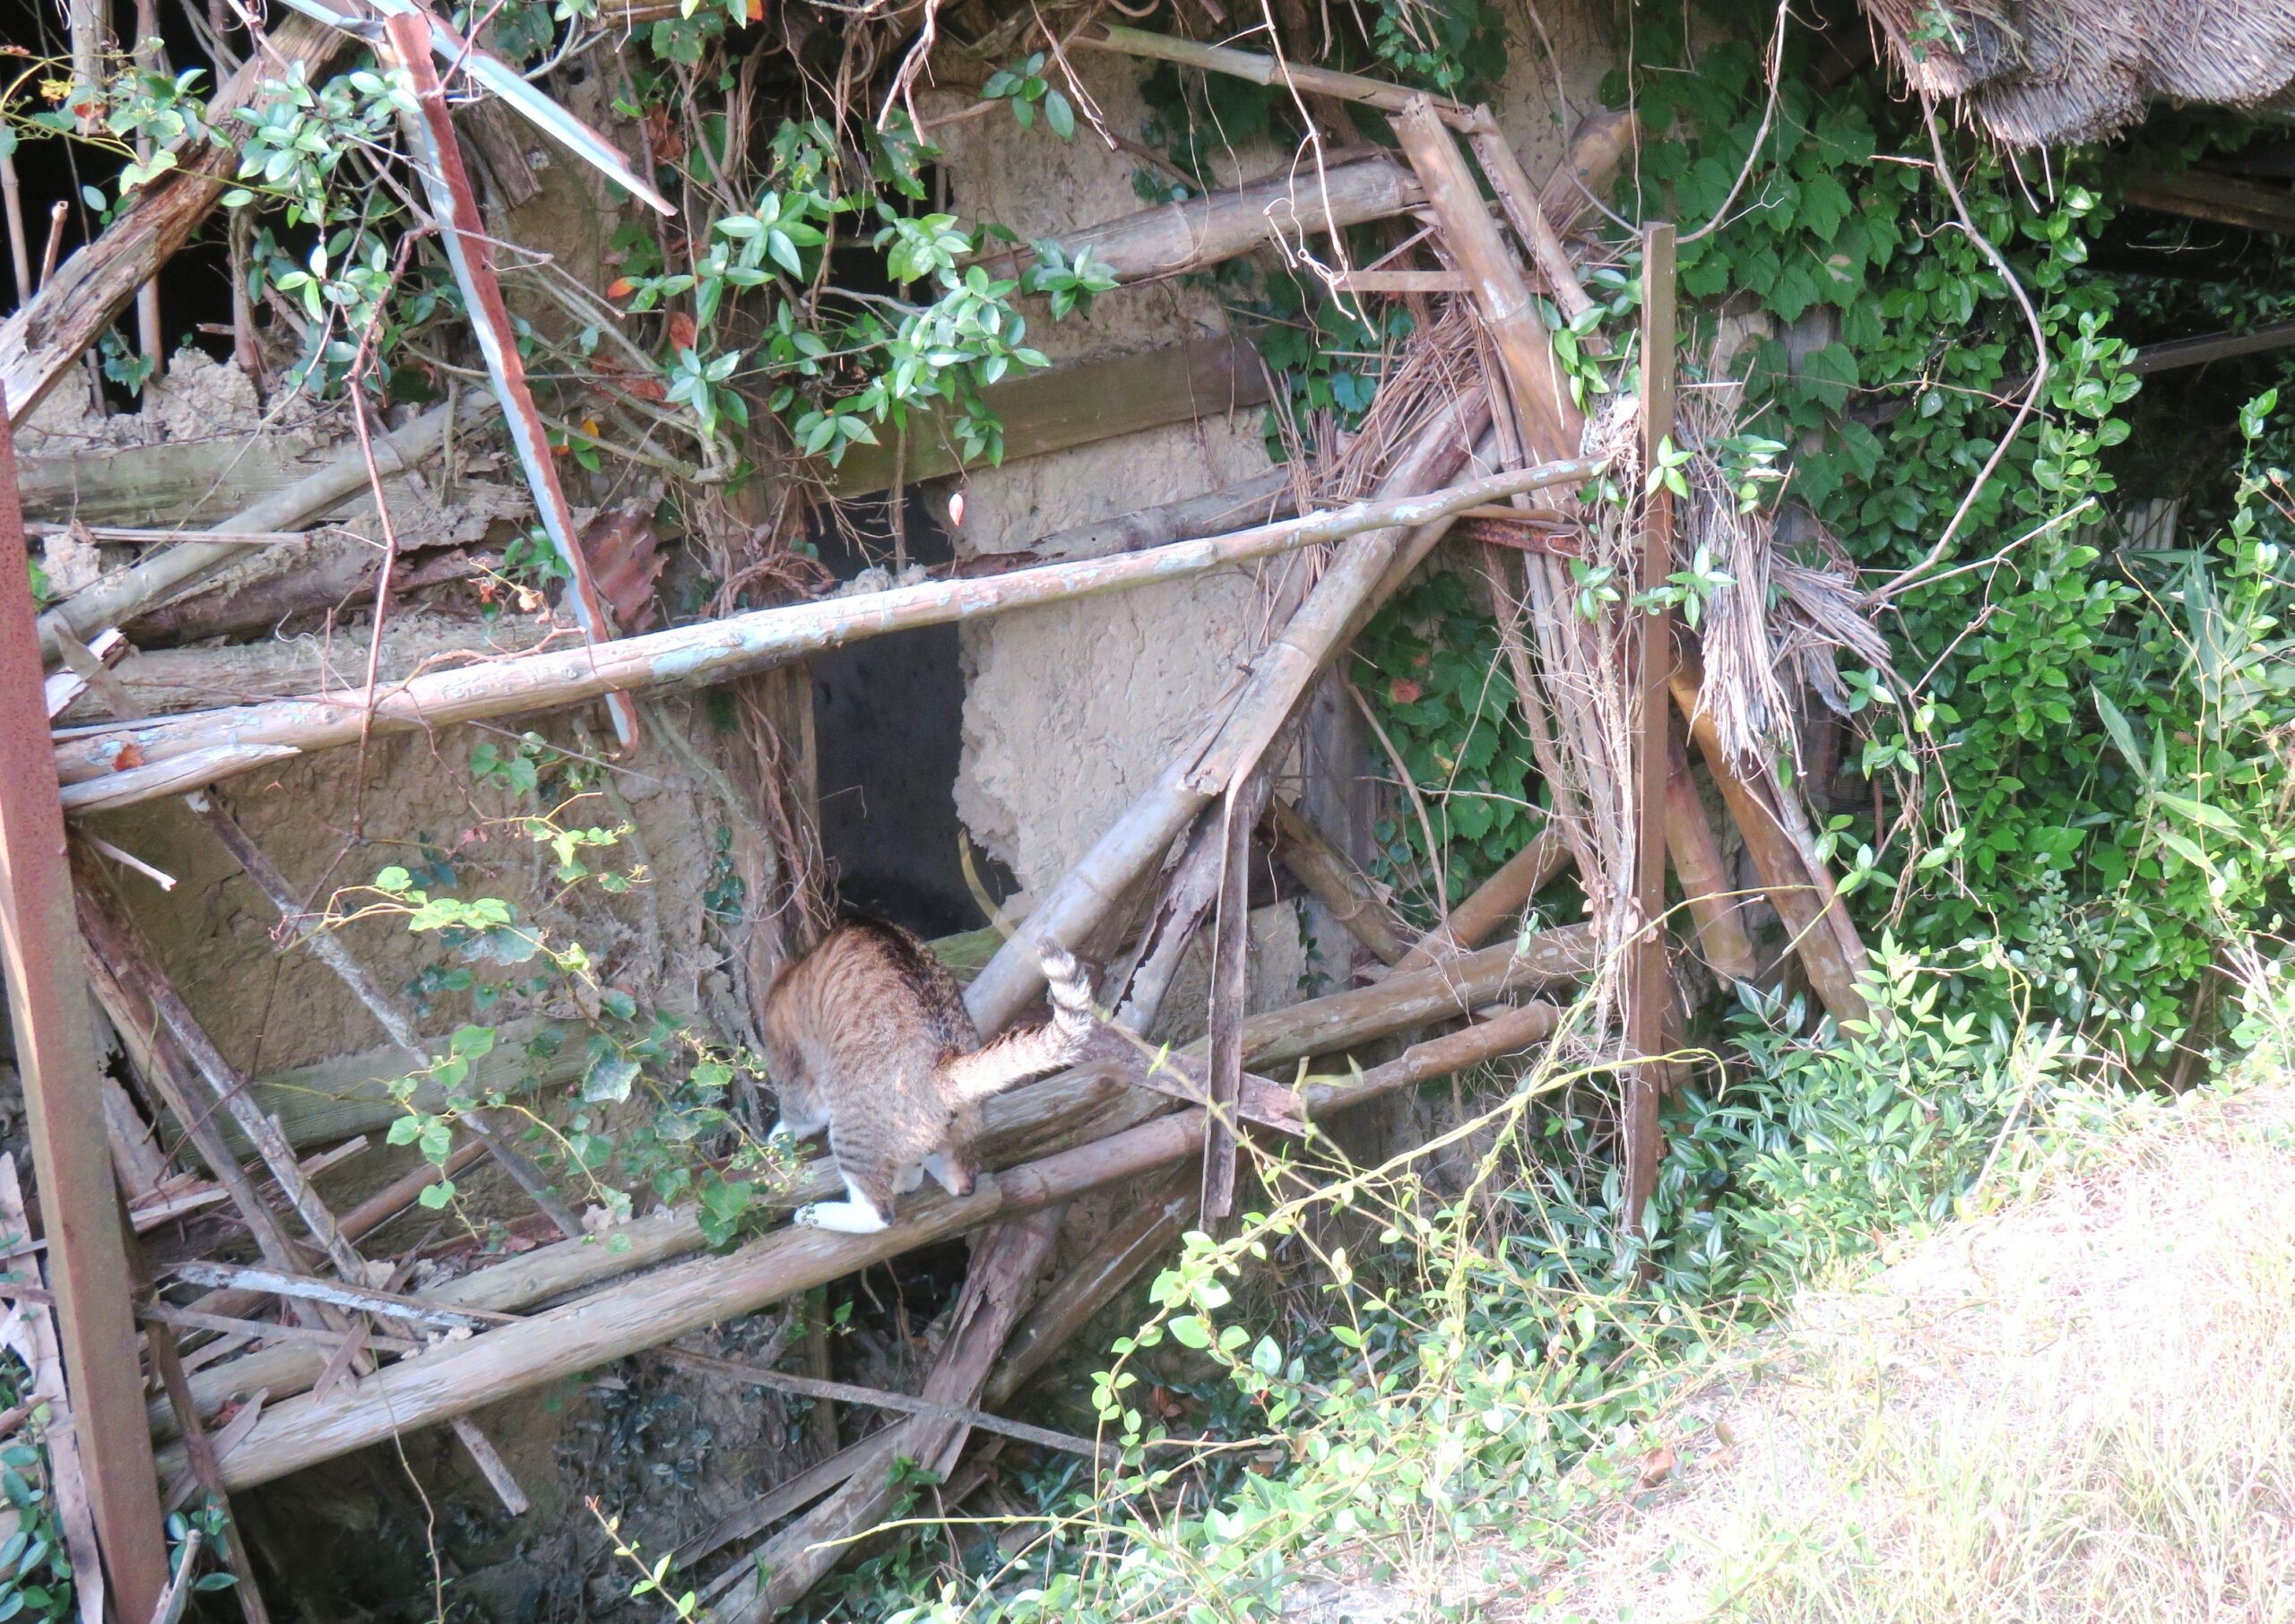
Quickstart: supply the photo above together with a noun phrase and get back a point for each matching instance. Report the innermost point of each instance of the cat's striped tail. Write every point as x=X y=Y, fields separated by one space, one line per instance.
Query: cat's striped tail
x=1017 y=1056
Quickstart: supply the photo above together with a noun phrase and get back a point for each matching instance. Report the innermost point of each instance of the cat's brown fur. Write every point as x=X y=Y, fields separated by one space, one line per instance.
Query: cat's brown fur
x=868 y=1037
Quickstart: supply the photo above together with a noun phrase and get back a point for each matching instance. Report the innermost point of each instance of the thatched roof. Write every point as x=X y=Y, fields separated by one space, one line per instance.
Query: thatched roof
x=2038 y=72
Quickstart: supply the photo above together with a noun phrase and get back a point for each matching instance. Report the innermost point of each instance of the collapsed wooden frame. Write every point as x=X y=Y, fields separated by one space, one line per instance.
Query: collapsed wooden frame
x=1059 y=1138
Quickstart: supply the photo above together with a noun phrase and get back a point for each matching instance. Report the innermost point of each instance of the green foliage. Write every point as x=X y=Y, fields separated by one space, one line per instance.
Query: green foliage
x=1430 y=666
x=1024 y=87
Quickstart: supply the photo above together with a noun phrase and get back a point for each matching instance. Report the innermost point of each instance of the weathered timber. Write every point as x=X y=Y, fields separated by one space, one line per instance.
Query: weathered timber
x=186 y=485
x=1505 y=1033
x=1172 y=239
x=1337 y=883
x=1260 y=69
x=115 y=599
x=1518 y=198
x=718 y=649
x=2196 y=194
x=1720 y=931
x=53 y=1029
x=1648 y=980
x=1278 y=678
x=1081 y=403
x=1551 y=423
x=89 y=291
x=1597 y=153
x=1022 y=1122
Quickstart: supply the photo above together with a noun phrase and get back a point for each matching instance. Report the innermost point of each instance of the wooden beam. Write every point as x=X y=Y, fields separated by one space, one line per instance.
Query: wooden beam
x=1335 y=883
x=1078 y=404
x=1551 y=423
x=1648 y=982
x=2196 y=195
x=1494 y=903
x=1259 y=69
x=715 y=651
x=53 y=1026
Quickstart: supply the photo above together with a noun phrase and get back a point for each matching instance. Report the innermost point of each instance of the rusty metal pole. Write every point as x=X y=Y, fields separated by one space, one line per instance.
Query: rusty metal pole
x=55 y=1031
x=1646 y=974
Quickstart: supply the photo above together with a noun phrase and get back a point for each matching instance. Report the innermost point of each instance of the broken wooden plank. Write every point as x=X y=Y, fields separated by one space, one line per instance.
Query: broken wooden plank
x=1081 y=403
x=358 y=1299
x=1518 y=199
x=2196 y=195
x=1715 y=912
x=713 y=650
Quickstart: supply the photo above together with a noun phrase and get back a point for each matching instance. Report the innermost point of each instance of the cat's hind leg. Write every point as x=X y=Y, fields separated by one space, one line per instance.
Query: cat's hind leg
x=859 y=1213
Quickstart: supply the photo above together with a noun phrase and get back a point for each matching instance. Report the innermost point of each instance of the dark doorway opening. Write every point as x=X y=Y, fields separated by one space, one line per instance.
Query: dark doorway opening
x=888 y=713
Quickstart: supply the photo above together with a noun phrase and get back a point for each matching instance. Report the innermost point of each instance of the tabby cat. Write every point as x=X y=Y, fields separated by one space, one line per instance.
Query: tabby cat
x=868 y=1037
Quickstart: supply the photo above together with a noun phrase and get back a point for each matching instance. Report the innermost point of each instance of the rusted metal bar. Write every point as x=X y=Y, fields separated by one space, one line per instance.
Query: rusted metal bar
x=1646 y=976
x=55 y=1029
x=438 y=155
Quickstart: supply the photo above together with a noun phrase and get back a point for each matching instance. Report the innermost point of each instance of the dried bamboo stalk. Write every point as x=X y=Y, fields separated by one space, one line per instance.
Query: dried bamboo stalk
x=718 y=649
x=1278 y=680
x=1494 y=903
x=996 y=1289
x=1551 y=424
x=1265 y=70
x=1517 y=196
x=1337 y=883
x=1800 y=898
x=1505 y=1034
x=1721 y=939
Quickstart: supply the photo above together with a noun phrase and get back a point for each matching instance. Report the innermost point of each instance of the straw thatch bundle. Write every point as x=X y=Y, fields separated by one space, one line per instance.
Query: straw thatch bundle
x=2048 y=71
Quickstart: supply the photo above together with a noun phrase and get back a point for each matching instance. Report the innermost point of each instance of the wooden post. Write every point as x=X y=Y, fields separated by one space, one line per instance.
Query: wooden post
x=1646 y=978
x=54 y=1030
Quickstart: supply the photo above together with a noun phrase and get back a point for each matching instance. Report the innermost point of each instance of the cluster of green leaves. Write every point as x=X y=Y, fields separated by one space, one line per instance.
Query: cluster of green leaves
x=837 y=366
x=1430 y=666
x=651 y=1108
x=1023 y=86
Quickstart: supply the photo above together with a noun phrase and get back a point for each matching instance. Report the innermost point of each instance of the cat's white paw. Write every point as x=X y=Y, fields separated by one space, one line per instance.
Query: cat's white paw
x=840 y=1217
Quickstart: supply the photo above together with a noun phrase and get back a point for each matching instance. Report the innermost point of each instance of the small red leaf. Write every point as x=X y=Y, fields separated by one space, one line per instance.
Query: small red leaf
x=620 y=287
x=1402 y=690
x=681 y=329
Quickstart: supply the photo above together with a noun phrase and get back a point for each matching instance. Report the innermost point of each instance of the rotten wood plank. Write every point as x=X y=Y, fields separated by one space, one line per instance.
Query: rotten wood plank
x=1081 y=403
x=1337 y=883
x=54 y=1030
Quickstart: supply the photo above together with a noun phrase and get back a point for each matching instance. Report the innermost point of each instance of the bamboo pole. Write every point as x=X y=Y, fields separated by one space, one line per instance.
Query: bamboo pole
x=1503 y=1033
x=1172 y=240
x=718 y=649
x=996 y=1289
x=1721 y=939
x=1337 y=883
x=1551 y=424
x=1259 y=69
x=1024 y=1122
x=1517 y=196
x=1491 y=904
x=1278 y=678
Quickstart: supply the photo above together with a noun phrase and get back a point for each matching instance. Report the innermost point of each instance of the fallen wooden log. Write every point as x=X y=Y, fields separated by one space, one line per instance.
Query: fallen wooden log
x=718 y=649
x=1021 y=1123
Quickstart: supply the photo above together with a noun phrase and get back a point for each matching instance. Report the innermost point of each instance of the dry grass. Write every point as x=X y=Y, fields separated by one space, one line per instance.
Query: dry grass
x=2080 y=1408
